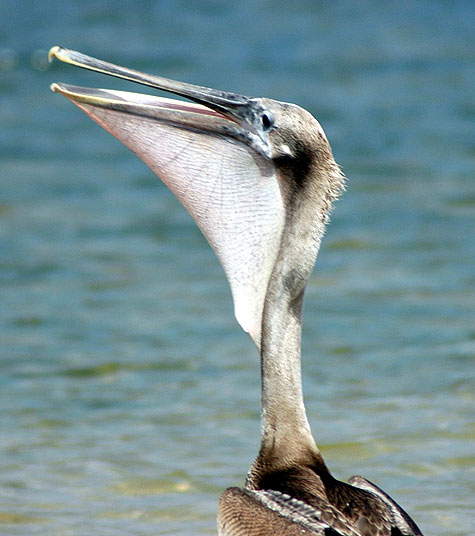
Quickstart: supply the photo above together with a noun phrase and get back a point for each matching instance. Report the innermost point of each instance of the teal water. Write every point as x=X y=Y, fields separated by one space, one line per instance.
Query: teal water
x=129 y=398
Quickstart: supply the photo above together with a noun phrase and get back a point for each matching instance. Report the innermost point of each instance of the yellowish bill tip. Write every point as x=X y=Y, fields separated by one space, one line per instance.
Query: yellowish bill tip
x=52 y=52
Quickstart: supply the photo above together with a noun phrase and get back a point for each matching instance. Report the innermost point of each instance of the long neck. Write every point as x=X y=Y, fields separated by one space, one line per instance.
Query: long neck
x=286 y=435
x=285 y=428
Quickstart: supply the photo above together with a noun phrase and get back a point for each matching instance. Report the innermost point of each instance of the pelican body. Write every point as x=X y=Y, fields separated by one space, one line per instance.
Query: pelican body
x=259 y=179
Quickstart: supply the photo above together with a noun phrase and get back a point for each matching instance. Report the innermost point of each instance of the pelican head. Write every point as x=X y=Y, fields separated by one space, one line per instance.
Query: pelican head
x=248 y=170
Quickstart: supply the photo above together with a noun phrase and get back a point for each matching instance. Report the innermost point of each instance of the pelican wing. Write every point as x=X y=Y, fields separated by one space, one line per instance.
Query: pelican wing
x=230 y=190
x=400 y=519
x=243 y=512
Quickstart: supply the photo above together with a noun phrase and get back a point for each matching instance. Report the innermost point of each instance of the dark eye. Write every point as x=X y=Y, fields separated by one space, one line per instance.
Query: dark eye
x=267 y=119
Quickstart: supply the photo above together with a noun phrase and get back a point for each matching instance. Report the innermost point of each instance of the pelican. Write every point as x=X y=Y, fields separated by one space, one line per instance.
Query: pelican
x=259 y=179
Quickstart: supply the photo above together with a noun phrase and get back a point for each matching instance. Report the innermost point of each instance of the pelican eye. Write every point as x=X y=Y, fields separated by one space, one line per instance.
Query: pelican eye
x=267 y=119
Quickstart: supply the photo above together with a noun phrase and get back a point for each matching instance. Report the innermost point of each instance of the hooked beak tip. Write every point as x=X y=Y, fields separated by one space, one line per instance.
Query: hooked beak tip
x=53 y=52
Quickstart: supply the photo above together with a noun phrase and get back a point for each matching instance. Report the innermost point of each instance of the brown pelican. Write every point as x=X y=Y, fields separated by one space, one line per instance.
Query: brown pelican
x=259 y=178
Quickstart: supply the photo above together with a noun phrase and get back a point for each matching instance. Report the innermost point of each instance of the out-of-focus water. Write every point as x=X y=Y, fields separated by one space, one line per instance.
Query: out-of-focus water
x=129 y=398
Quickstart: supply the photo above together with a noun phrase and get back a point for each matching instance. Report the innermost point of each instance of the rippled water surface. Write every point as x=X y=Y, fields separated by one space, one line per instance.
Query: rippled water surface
x=129 y=397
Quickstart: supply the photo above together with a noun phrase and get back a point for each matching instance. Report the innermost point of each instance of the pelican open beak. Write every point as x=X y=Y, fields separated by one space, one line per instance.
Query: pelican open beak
x=243 y=115
x=214 y=154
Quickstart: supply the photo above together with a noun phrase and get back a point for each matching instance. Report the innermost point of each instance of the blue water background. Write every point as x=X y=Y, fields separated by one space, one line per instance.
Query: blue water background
x=129 y=397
